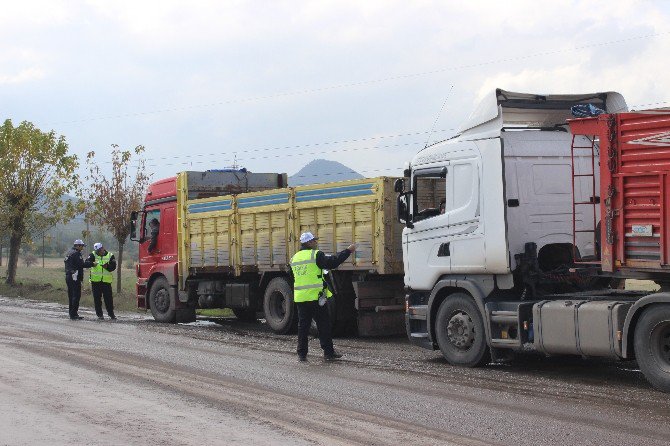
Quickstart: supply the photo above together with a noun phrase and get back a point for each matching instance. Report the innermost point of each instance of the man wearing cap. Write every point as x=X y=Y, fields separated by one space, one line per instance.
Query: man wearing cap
x=101 y=279
x=154 y=225
x=74 y=274
x=307 y=266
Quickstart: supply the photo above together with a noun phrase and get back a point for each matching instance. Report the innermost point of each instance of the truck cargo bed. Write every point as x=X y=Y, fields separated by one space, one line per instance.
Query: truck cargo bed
x=259 y=231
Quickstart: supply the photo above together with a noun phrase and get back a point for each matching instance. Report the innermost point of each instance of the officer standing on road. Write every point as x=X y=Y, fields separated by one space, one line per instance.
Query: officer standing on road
x=74 y=274
x=101 y=279
x=310 y=292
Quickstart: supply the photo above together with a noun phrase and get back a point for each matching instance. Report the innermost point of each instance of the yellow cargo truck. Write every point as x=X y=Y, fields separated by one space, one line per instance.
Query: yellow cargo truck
x=232 y=250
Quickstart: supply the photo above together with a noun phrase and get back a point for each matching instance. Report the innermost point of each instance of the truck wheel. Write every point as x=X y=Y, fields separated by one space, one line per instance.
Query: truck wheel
x=245 y=315
x=459 y=330
x=280 y=311
x=162 y=307
x=652 y=345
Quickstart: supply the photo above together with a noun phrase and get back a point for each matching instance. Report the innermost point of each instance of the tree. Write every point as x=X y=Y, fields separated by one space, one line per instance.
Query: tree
x=35 y=174
x=112 y=199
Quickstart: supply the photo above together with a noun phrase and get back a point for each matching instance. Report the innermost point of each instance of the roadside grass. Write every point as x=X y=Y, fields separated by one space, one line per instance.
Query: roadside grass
x=48 y=284
x=216 y=312
x=641 y=285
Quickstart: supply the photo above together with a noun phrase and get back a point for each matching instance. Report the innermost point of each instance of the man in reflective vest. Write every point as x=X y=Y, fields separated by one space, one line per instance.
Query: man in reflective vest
x=310 y=293
x=101 y=279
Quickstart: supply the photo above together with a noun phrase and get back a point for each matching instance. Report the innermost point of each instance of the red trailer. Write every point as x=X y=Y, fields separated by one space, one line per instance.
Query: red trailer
x=634 y=150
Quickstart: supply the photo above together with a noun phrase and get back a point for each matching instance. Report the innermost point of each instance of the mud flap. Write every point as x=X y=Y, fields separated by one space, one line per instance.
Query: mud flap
x=184 y=311
x=185 y=315
x=380 y=307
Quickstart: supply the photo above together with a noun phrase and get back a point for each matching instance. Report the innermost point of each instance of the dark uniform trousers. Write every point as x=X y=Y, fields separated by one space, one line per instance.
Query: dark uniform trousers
x=306 y=312
x=104 y=290
x=73 y=294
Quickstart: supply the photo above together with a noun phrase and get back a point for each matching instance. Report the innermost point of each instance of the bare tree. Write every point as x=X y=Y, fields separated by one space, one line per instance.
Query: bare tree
x=35 y=173
x=112 y=198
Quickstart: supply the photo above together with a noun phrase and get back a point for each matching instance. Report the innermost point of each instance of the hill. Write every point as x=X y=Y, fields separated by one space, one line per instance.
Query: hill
x=322 y=171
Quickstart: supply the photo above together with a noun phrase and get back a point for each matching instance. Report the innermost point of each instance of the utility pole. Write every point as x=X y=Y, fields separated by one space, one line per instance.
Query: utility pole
x=88 y=234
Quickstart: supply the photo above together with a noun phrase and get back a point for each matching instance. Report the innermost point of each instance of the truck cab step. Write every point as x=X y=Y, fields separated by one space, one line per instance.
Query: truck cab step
x=419 y=335
x=505 y=317
x=506 y=343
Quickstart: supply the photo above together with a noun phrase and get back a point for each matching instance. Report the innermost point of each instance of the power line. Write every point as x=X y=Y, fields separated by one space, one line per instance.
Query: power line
x=322 y=143
x=345 y=172
x=364 y=83
x=650 y=104
x=300 y=146
x=287 y=155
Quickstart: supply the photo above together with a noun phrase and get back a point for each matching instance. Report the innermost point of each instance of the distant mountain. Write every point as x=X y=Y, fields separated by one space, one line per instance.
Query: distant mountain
x=323 y=171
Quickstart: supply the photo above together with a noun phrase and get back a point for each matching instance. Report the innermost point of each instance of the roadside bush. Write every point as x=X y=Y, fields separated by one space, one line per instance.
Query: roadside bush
x=29 y=259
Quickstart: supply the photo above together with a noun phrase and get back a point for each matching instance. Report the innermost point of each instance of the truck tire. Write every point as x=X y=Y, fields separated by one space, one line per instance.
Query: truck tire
x=162 y=307
x=459 y=330
x=652 y=345
x=245 y=315
x=281 y=313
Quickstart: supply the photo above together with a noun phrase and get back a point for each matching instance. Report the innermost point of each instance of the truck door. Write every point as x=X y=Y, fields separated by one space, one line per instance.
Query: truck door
x=464 y=233
x=427 y=254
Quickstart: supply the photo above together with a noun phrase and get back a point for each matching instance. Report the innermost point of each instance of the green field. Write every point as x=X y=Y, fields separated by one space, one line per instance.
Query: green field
x=48 y=284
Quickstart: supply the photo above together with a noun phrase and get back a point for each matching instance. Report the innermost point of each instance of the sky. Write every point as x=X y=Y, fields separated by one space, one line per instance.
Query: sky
x=272 y=85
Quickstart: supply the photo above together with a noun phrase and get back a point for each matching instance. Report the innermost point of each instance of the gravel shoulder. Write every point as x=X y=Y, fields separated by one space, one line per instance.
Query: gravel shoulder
x=135 y=381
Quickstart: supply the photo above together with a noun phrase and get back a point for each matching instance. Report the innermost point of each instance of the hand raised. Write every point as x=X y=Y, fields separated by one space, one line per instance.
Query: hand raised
x=352 y=247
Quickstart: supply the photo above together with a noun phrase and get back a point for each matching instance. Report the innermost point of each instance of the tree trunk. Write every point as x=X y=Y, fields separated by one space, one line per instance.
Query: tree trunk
x=14 y=247
x=0 y=254
x=119 y=266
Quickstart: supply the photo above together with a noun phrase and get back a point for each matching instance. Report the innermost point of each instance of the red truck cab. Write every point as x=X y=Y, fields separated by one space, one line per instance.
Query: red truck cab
x=161 y=264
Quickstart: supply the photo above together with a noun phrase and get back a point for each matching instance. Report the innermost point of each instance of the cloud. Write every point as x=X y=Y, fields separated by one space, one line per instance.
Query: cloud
x=25 y=75
x=93 y=69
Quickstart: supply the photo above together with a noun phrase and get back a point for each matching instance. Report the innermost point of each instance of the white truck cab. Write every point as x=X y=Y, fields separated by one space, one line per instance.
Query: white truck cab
x=478 y=206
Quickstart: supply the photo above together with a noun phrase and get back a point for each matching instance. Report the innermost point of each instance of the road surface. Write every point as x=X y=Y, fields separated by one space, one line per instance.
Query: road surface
x=137 y=382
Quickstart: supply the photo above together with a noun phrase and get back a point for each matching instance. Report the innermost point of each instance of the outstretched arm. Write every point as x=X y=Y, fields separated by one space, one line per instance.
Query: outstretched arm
x=324 y=261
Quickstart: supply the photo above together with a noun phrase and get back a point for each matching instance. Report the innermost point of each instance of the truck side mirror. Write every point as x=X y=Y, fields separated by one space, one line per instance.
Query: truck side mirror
x=403 y=209
x=399 y=185
x=133 y=226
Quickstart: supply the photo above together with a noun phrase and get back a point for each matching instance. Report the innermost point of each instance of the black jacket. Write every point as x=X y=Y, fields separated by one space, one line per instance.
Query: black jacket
x=324 y=261
x=75 y=262
x=111 y=265
x=154 y=240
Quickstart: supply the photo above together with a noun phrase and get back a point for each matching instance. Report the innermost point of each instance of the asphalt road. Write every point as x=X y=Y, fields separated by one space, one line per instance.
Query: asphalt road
x=137 y=382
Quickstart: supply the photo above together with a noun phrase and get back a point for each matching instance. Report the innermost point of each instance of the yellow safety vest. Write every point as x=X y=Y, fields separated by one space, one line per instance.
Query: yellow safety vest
x=98 y=273
x=308 y=277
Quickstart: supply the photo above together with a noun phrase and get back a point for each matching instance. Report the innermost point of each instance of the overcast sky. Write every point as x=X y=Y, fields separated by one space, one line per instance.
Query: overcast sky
x=279 y=83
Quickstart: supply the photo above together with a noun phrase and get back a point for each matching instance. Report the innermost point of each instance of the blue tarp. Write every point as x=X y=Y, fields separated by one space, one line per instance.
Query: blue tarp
x=585 y=111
